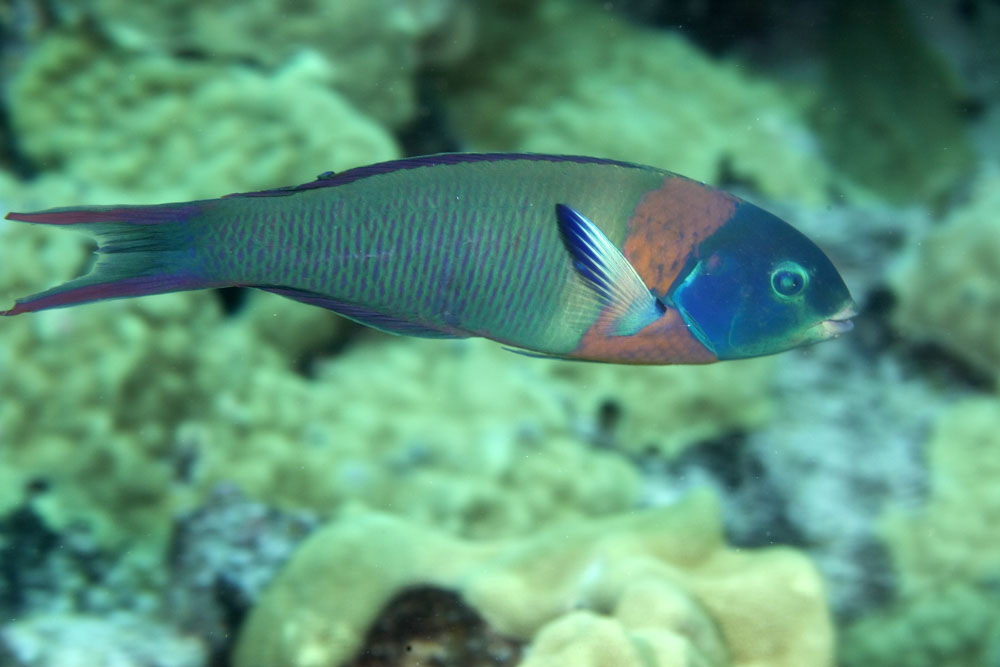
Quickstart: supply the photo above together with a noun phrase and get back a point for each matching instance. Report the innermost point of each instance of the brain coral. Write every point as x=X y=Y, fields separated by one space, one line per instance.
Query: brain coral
x=654 y=588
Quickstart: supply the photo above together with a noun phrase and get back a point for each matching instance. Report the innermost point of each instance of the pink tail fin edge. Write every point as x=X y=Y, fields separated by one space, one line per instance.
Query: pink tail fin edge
x=142 y=250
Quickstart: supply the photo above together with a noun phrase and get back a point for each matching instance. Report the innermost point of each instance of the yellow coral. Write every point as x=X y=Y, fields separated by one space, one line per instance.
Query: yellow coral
x=181 y=129
x=949 y=281
x=586 y=639
x=652 y=588
x=947 y=555
x=374 y=46
x=956 y=532
x=580 y=80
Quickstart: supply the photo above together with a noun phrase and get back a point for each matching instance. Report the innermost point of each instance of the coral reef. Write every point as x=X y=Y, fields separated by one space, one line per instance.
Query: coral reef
x=947 y=555
x=58 y=584
x=949 y=280
x=65 y=639
x=657 y=587
x=43 y=571
x=726 y=398
x=183 y=129
x=115 y=469
x=220 y=558
x=579 y=80
x=433 y=626
x=479 y=459
x=892 y=116
x=372 y=48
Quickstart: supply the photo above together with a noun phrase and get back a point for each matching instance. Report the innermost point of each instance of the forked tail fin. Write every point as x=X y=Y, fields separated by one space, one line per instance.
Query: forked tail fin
x=141 y=250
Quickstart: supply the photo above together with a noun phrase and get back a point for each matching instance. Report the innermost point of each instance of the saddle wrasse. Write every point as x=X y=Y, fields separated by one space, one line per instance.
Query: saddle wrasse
x=559 y=256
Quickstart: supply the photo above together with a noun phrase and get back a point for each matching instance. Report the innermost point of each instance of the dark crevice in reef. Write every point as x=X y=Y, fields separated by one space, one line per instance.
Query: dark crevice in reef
x=718 y=26
x=433 y=627
x=875 y=335
x=307 y=361
x=232 y=299
x=756 y=509
x=429 y=131
x=11 y=155
x=221 y=556
x=27 y=541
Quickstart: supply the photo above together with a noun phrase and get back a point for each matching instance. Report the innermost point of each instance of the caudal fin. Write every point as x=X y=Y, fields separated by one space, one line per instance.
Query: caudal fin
x=141 y=250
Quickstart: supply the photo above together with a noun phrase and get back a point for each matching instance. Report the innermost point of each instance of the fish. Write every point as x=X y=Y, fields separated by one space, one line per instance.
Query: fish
x=558 y=256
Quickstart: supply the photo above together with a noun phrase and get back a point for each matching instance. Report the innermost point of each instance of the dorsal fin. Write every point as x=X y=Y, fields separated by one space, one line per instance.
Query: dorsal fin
x=329 y=179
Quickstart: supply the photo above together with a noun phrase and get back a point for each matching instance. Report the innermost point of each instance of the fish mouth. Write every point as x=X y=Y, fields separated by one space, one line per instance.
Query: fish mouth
x=840 y=322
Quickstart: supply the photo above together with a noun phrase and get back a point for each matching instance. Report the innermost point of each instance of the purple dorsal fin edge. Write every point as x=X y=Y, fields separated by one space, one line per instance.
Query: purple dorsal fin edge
x=359 y=173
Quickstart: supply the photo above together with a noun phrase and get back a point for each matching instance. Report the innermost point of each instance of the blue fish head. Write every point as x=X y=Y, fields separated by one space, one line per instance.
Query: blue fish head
x=758 y=286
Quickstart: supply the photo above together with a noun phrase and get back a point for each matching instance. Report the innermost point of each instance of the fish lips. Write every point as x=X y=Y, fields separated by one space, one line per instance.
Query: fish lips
x=840 y=322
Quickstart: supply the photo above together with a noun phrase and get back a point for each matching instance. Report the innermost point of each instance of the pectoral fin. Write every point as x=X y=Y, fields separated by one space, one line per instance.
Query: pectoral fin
x=612 y=280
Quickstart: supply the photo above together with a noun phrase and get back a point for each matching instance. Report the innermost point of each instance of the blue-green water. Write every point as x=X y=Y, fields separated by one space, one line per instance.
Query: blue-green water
x=218 y=478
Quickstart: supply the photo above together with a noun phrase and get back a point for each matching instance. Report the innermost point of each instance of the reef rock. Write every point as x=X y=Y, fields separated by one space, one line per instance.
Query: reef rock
x=650 y=588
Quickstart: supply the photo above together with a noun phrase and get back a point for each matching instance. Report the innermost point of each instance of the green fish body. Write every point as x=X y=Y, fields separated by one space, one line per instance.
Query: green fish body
x=561 y=256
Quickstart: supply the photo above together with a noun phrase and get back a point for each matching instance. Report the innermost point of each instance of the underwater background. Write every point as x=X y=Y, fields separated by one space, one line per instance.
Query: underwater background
x=227 y=477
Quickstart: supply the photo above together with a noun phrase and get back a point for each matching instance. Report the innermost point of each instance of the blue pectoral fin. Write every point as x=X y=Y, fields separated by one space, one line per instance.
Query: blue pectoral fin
x=611 y=279
x=363 y=315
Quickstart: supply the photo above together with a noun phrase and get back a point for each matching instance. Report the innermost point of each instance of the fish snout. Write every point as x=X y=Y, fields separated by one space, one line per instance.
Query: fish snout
x=840 y=322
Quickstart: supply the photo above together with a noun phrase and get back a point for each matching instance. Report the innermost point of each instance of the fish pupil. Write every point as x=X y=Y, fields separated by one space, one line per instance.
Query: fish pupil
x=786 y=282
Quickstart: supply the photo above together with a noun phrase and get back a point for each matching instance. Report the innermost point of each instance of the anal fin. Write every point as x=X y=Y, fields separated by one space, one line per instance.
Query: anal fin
x=363 y=315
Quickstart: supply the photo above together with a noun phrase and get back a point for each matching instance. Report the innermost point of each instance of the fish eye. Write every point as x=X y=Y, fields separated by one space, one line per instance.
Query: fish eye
x=788 y=279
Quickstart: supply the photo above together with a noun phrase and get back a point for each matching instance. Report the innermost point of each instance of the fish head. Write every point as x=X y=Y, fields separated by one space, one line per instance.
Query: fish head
x=758 y=286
